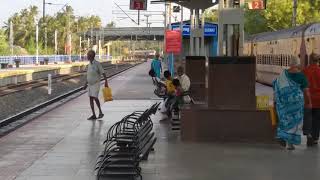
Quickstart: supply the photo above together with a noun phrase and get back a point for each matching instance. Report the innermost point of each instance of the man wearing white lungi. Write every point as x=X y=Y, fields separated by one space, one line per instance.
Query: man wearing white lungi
x=94 y=72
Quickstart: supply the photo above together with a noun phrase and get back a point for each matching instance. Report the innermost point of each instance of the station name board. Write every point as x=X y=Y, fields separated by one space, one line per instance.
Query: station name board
x=138 y=4
x=209 y=29
x=257 y=4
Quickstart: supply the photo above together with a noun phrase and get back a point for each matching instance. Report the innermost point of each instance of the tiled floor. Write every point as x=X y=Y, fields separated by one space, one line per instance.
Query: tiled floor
x=63 y=145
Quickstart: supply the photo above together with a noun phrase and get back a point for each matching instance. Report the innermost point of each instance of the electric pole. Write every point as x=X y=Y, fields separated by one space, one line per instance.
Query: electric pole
x=45 y=25
x=294 y=14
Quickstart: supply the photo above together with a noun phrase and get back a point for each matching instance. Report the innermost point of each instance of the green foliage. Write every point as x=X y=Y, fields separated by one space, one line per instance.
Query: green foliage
x=111 y=24
x=4 y=47
x=211 y=15
x=278 y=15
x=65 y=22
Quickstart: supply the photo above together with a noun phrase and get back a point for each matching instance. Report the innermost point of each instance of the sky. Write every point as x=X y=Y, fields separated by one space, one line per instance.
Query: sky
x=102 y=8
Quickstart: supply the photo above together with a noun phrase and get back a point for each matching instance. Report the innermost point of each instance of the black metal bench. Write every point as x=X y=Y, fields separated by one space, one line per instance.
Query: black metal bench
x=4 y=65
x=175 y=111
x=128 y=142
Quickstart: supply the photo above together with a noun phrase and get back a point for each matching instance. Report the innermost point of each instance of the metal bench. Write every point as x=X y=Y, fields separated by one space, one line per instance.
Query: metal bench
x=4 y=65
x=128 y=142
x=175 y=111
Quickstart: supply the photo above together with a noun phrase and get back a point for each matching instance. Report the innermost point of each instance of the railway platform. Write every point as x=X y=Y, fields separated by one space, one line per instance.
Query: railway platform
x=62 y=144
x=32 y=72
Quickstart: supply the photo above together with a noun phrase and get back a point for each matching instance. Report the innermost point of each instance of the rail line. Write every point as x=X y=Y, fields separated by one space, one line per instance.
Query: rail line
x=12 y=119
x=6 y=90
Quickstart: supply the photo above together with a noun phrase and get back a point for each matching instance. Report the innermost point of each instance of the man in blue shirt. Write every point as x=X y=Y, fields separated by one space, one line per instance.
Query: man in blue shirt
x=156 y=65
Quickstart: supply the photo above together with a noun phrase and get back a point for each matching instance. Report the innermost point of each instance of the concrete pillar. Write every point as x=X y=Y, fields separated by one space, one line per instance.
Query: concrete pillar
x=231 y=25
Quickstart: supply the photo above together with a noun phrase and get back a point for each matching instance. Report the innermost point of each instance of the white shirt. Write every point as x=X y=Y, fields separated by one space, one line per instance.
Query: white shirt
x=94 y=72
x=185 y=82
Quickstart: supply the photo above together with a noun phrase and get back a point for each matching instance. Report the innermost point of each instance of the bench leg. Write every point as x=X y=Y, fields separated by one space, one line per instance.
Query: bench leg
x=145 y=158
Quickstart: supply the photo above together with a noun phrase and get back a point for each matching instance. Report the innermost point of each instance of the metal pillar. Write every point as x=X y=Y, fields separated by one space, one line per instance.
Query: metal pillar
x=191 y=32
x=181 y=30
x=203 y=22
x=164 y=32
x=197 y=39
x=37 y=42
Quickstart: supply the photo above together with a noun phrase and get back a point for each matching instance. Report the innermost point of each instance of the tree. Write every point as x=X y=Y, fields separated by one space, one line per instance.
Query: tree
x=211 y=15
x=4 y=47
x=23 y=25
x=278 y=15
x=65 y=22
x=111 y=24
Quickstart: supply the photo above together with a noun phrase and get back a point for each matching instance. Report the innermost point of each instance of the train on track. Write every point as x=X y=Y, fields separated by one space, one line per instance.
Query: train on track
x=142 y=54
x=273 y=50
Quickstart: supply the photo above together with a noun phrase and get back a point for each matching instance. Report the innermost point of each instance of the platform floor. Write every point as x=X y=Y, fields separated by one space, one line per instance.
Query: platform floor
x=63 y=145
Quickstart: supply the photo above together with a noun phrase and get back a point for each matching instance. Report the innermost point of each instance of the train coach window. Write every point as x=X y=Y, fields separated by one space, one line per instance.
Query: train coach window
x=270 y=60
x=278 y=60
x=259 y=59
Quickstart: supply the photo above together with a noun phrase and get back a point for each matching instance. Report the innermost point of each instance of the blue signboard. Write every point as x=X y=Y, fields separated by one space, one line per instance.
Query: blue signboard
x=209 y=29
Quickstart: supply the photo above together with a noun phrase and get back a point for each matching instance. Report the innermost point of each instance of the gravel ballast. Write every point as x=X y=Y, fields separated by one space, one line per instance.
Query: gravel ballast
x=17 y=102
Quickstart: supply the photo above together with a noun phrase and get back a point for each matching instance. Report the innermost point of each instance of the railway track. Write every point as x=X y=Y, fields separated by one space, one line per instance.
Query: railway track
x=14 y=119
x=6 y=90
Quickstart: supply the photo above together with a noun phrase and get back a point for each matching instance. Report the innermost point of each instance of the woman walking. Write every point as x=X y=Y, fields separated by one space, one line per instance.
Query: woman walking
x=291 y=93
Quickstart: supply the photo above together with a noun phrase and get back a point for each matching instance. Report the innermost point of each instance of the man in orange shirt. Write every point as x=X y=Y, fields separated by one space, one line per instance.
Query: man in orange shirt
x=312 y=128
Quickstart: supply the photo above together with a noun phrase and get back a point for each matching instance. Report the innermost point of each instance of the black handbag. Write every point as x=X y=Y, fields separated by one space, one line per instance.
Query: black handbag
x=152 y=73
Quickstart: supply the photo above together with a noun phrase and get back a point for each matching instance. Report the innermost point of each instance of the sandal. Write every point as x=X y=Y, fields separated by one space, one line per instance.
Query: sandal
x=100 y=116
x=290 y=147
x=282 y=142
x=93 y=117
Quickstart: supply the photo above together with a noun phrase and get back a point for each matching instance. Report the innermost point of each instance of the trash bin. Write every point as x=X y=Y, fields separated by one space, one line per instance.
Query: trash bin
x=4 y=65
x=17 y=62
x=46 y=61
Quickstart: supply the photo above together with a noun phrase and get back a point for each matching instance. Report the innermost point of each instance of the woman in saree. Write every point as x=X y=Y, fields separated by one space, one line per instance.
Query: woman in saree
x=291 y=95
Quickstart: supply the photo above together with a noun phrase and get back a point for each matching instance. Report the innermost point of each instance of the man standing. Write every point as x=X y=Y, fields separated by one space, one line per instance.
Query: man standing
x=156 y=65
x=94 y=72
x=312 y=124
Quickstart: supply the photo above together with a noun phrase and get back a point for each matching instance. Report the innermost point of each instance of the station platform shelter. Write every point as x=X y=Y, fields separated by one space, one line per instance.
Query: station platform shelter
x=61 y=144
x=210 y=34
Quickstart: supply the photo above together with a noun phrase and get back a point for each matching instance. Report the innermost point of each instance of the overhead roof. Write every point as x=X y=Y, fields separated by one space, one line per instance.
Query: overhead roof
x=128 y=33
x=283 y=34
x=191 y=4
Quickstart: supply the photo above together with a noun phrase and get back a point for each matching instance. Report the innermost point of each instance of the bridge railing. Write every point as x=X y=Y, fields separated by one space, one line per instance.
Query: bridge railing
x=28 y=60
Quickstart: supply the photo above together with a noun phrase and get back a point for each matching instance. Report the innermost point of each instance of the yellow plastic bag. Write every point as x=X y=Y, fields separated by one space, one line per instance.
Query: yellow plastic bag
x=107 y=94
x=262 y=102
x=274 y=116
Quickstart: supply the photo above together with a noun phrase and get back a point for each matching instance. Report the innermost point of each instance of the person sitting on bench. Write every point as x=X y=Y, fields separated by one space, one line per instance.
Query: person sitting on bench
x=185 y=83
x=169 y=94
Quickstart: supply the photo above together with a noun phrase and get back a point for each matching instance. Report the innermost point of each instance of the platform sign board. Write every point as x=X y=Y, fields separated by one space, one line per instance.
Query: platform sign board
x=173 y=42
x=138 y=4
x=257 y=4
x=209 y=29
